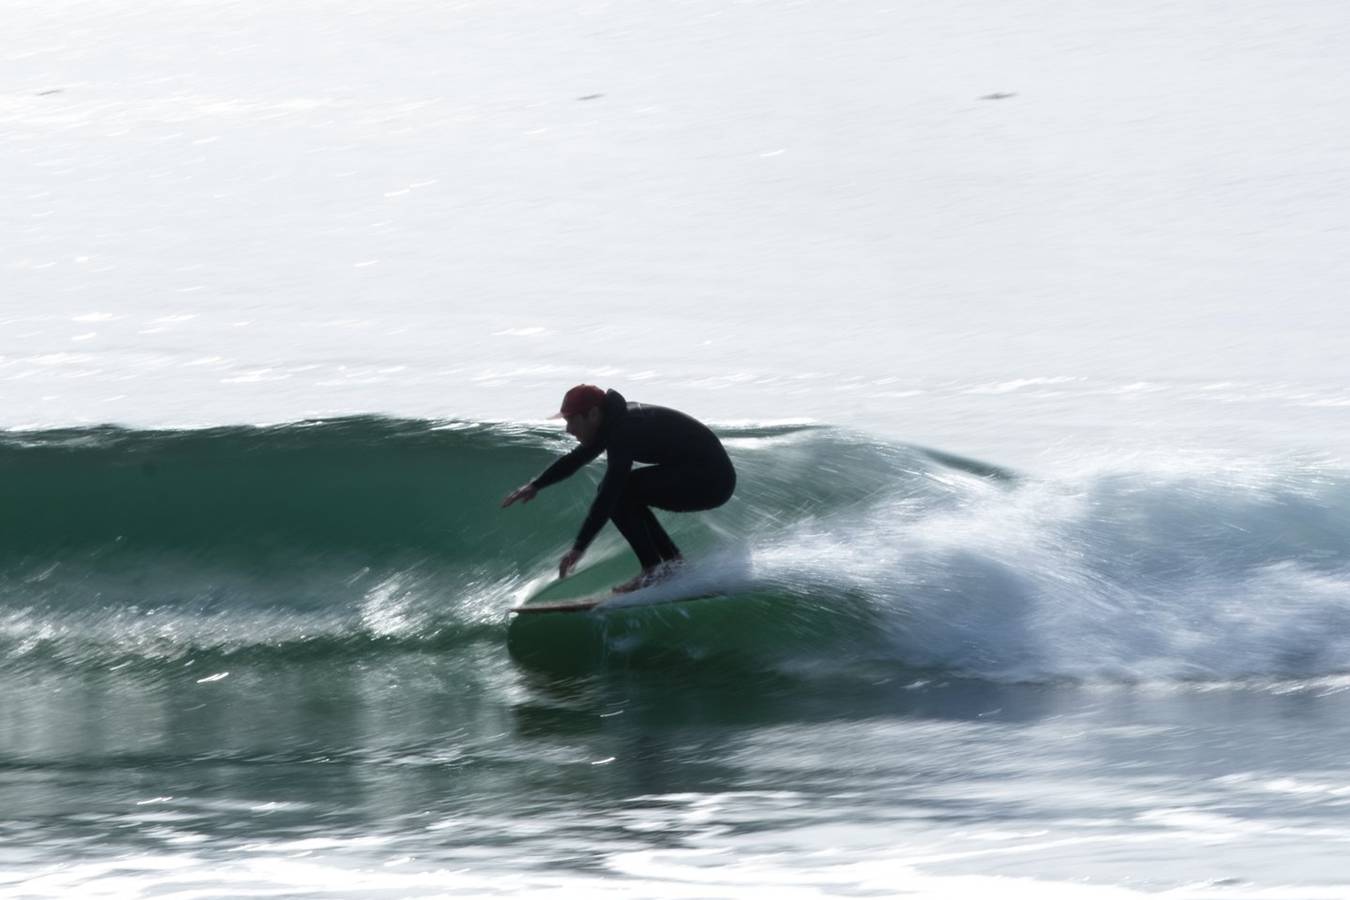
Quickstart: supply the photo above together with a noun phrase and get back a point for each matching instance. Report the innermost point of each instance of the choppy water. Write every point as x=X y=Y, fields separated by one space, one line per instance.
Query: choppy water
x=370 y=536
x=1022 y=322
x=276 y=660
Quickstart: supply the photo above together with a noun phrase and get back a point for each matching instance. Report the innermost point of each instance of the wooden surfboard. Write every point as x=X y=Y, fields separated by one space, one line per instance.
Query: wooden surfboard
x=562 y=605
x=644 y=597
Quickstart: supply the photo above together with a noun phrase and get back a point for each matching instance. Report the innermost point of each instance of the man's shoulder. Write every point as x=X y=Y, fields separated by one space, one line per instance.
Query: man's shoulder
x=640 y=414
x=651 y=409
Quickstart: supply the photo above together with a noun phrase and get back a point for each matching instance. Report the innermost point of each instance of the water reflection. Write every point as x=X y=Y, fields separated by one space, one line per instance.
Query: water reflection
x=448 y=756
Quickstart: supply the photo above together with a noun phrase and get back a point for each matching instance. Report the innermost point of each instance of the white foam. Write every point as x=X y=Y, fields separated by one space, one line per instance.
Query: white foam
x=1137 y=573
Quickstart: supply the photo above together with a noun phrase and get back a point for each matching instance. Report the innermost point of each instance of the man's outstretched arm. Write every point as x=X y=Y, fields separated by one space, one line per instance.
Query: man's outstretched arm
x=525 y=493
x=606 y=498
x=564 y=467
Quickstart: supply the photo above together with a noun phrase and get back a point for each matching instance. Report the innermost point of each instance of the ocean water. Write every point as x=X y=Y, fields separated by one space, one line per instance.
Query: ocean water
x=1022 y=322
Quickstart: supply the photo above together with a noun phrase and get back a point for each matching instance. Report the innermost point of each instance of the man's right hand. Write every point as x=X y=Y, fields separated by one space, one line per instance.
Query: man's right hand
x=525 y=493
x=569 y=562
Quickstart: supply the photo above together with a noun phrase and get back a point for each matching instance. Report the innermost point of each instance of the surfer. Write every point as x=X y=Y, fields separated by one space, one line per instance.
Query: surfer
x=690 y=471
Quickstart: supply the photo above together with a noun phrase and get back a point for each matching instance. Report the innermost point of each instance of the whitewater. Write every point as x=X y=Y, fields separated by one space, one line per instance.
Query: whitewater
x=1021 y=322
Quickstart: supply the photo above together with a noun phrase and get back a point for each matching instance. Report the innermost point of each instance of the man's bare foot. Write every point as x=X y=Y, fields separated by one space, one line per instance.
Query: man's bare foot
x=633 y=584
x=651 y=576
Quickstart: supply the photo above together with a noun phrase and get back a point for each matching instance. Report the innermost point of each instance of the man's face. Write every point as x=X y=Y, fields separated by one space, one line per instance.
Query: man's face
x=583 y=426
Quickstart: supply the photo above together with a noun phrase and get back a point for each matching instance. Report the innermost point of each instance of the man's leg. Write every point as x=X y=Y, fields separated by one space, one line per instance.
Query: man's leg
x=634 y=521
x=665 y=547
x=678 y=489
x=682 y=488
x=663 y=542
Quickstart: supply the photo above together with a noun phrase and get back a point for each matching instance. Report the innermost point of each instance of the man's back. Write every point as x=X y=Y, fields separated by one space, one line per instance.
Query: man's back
x=656 y=434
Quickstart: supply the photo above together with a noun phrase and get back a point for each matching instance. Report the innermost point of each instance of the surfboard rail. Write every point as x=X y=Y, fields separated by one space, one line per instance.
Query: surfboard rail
x=611 y=601
x=559 y=606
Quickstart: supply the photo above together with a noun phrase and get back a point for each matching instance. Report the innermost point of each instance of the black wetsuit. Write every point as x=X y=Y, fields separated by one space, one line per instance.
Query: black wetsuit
x=691 y=471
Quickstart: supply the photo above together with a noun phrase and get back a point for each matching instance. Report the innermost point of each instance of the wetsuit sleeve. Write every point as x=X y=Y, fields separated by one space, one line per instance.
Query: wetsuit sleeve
x=567 y=466
x=611 y=488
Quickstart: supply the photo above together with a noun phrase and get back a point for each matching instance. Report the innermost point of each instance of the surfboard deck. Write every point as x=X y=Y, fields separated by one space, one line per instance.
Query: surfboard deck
x=607 y=601
x=560 y=606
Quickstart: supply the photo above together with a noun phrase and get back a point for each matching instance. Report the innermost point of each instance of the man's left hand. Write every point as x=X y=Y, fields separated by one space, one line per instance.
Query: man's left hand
x=569 y=560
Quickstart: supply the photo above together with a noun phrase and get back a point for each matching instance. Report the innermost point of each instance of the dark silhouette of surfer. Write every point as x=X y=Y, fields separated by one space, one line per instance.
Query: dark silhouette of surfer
x=689 y=471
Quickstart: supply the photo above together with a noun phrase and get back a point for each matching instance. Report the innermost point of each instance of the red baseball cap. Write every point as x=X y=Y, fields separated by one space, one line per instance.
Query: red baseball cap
x=580 y=399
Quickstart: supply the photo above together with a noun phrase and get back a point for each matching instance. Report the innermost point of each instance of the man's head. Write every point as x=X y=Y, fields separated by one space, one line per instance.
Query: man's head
x=583 y=408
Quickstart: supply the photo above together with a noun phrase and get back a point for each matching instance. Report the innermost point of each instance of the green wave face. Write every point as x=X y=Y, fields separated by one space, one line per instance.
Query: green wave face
x=371 y=490
x=351 y=536
x=355 y=537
